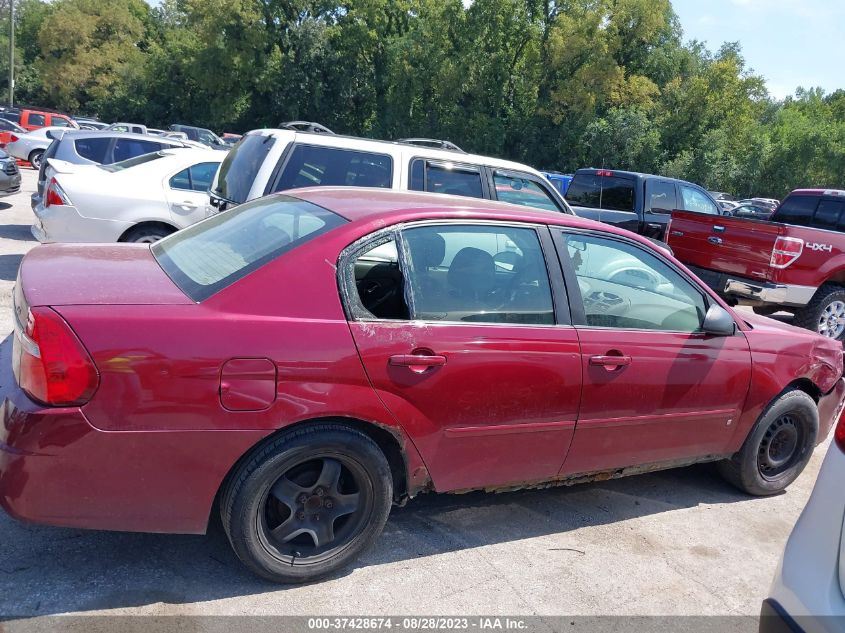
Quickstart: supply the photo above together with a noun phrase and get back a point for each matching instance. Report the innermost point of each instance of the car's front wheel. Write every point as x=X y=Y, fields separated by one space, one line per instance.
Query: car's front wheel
x=307 y=503
x=778 y=447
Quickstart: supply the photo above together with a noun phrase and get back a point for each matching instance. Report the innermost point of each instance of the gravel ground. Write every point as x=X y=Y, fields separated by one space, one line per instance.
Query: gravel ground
x=676 y=542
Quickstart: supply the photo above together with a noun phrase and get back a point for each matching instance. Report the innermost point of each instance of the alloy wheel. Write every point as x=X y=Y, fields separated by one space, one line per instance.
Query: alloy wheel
x=832 y=320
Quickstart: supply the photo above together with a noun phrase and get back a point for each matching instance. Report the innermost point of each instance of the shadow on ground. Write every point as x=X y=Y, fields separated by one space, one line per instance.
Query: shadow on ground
x=20 y=232
x=9 y=265
x=47 y=570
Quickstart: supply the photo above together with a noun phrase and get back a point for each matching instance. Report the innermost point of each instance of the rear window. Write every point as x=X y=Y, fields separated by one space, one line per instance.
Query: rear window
x=240 y=167
x=207 y=257
x=601 y=192
x=797 y=210
x=93 y=148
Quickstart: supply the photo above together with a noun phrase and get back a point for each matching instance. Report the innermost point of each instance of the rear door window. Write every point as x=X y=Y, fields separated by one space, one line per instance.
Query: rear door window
x=312 y=166
x=797 y=210
x=596 y=191
x=94 y=149
x=446 y=177
x=196 y=178
x=693 y=199
x=125 y=148
x=36 y=119
x=58 y=121
x=524 y=190
x=660 y=196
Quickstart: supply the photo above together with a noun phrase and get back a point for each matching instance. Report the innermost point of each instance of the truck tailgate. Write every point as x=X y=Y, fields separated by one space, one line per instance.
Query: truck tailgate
x=725 y=244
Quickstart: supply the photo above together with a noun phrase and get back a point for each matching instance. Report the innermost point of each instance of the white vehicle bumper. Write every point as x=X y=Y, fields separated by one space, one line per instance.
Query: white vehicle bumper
x=807 y=589
x=63 y=223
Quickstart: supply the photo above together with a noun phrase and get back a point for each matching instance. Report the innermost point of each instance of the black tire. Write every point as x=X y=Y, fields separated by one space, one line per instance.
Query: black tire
x=829 y=301
x=765 y=310
x=275 y=495
x=146 y=234
x=35 y=158
x=778 y=447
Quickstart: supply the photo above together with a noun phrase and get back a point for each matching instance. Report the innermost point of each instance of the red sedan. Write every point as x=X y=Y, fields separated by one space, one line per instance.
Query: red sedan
x=304 y=360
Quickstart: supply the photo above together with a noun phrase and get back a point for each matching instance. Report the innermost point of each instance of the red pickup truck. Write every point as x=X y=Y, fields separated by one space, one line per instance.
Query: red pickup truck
x=795 y=261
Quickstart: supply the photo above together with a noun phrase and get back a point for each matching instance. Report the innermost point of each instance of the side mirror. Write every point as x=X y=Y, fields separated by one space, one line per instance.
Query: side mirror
x=718 y=322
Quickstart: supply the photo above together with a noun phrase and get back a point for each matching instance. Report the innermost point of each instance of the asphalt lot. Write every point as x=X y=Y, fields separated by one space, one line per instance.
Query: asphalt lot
x=676 y=542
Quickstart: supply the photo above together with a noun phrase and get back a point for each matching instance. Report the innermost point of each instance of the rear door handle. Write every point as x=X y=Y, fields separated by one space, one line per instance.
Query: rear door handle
x=715 y=240
x=610 y=361
x=417 y=362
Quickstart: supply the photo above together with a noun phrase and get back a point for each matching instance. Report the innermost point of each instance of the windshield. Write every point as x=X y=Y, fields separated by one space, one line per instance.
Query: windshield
x=132 y=162
x=238 y=171
x=207 y=257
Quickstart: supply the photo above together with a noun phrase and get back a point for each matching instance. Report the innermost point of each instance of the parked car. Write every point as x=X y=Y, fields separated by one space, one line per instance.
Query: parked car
x=32 y=145
x=727 y=206
x=10 y=175
x=9 y=131
x=765 y=203
x=88 y=123
x=807 y=592
x=34 y=119
x=134 y=128
x=153 y=382
x=230 y=139
x=720 y=196
x=642 y=203
x=559 y=180
x=795 y=262
x=752 y=211
x=201 y=135
x=141 y=199
x=271 y=160
x=94 y=148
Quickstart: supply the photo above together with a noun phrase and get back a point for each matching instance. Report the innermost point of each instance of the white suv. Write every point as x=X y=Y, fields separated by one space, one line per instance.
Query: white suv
x=271 y=160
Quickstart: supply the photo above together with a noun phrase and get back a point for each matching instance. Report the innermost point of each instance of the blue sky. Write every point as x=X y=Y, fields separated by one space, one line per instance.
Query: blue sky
x=790 y=42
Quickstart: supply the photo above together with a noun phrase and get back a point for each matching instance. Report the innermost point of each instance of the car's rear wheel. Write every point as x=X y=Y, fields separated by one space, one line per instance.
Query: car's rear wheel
x=307 y=503
x=778 y=447
x=825 y=313
x=146 y=234
x=35 y=158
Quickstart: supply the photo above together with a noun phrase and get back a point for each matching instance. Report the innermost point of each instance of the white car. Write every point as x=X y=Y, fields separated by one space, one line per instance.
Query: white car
x=138 y=200
x=808 y=593
x=31 y=146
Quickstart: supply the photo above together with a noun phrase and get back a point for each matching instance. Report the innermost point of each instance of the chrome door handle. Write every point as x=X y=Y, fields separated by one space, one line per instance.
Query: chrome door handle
x=715 y=240
x=610 y=361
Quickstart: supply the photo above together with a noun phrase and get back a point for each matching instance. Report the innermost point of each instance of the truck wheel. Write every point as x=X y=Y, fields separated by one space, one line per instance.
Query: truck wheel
x=778 y=447
x=825 y=313
x=307 y=503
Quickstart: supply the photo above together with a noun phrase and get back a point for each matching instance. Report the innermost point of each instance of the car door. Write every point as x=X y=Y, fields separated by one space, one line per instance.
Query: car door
x=466 y=338
x=656 y=388
x=187 y=193
x=523 y=189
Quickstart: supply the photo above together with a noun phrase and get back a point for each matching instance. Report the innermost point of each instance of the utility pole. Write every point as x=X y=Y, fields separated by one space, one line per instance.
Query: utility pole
x=11 y=53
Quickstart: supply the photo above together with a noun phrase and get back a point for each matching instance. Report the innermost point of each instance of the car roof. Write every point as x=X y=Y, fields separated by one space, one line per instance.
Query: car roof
x=636 y=174
x=376 y=145
x=391 y=206
x=819 y=192
x=114 y=134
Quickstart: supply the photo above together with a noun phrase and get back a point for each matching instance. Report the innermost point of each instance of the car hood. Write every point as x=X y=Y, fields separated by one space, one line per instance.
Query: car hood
x=96 y=274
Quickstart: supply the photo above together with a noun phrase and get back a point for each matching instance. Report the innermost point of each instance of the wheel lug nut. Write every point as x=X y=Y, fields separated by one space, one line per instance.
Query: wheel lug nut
x=316 y=517
x=328 y=503
x=319 y=492
x=302 y=498
x=300 y=515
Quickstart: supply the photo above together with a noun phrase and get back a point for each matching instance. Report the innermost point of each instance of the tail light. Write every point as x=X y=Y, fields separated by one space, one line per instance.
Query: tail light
x=13 y=138
x=54 y=369
x=839 y=433
x=786 y=251
x=55 y=195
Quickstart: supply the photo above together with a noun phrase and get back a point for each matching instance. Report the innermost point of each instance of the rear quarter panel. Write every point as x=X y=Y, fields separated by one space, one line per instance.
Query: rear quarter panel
x=823 y=258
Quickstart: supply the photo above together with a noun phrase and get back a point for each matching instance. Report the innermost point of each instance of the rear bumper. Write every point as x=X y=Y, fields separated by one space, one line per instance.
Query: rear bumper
x=774 y=619
x=753 y=291
x=57 y=469
x=64 y=223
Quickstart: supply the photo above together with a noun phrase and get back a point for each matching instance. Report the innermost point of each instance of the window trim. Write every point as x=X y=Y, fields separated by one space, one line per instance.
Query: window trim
x=514 y=173
x=355 y=311
x=576 y=306
x=287 y=155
